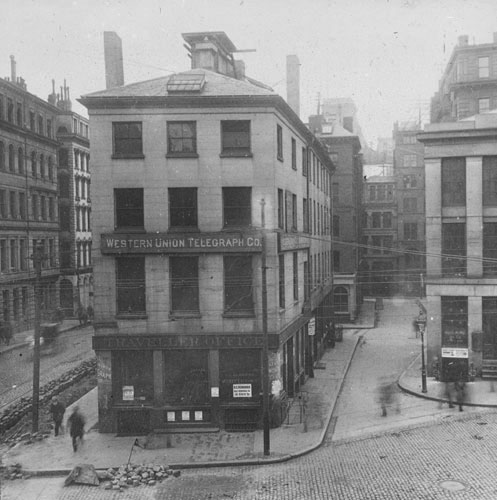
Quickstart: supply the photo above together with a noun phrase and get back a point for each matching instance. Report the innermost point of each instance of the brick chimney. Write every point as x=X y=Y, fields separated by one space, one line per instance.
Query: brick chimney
x=113 y=51
x=293 y=83
x=13 y=77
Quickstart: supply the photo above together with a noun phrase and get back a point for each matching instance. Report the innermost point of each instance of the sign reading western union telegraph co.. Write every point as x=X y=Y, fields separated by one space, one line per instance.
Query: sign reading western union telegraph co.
x=169 y=243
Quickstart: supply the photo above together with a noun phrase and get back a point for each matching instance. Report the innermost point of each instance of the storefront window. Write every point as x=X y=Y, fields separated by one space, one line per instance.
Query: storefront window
x=455 y=321
x=239 y=375
x=132 y=375
x=186 y=377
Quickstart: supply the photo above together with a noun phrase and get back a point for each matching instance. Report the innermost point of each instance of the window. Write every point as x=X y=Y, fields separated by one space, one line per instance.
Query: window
x=43 y=203
x=13 y=204
x=341 y=300
x=235 y=138
x=33 y=164
x=186 y=377
x=281 y=209
x=32 y=120
x=490 y=180
x=410 y=181
x=49 y=128
x=454 y=321
x=184 y=284
x=42 y=166
x=410 y=205
x=305 y=214
x=336 y=260
x=183 y=207
x=238 y=285
x=182 y=138
x=295 y=276
x=304 y=162
x=453 y=182
x=483 y=105
x=483 y=67
x=22 y=205
x=294 y=154
x=409 y=160
x=20 y=161
x=3 y=204
x=133 y=368
x=12 y=160
x=23 y=254
x=279 y=142
x=387 y=219
x=410 y=231
x=237 y=206
x=336 y=225
x=2 y=156
x=130 y=283
x=50 y=168
x=10 y=110
x=409 y=139
x=13 y=255
x=490 y=248
x=294 y=212
x=376 y=220
x=40 y=125
x=281 y=282
x=453 y=249
x=129 y=208
x=3 y=255
x=127 y=139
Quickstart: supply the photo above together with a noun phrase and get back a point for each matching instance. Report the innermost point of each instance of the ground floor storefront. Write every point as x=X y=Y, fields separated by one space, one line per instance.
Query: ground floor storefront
x=171 y=382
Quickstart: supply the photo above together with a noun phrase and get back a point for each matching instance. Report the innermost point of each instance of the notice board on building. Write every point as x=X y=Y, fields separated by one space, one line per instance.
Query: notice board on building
x=128 y=393
x=242 y=390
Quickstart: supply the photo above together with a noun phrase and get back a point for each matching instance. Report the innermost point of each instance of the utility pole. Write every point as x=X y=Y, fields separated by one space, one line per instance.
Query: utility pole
x=265 y=344
x=37 y=258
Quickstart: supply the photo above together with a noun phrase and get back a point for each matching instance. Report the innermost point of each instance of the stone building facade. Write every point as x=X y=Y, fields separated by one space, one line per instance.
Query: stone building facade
x=211 y=218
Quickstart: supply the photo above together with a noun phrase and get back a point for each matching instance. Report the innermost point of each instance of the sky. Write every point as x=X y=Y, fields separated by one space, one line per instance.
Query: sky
x=387 y=55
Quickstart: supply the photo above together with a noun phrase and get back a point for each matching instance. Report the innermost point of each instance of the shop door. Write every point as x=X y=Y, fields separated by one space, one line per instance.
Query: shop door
x=489 y=347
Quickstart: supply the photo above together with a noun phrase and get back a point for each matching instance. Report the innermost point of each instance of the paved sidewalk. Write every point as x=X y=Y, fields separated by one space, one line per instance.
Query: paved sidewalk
x=295 y=437
x=478 y=393
x=21 y=339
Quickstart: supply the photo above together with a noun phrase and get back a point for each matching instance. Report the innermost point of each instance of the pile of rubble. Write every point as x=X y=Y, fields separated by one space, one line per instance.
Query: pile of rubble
x=136 y=475
x=120 y=478
x=14 y=413
x=14 y=472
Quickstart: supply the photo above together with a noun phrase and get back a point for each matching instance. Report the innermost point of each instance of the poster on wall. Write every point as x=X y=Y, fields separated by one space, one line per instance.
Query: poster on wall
x=128 y=392
x=242 y=390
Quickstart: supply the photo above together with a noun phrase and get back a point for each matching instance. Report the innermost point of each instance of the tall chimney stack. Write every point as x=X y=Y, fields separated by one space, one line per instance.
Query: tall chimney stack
x=113 y=51
x=293 y=83
x=13 y=77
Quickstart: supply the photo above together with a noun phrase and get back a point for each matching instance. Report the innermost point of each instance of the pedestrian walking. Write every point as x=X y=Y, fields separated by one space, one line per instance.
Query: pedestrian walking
x=76 y=423
x=388 y=396
x=82 y=315
x=57 y=410
x=460 y=388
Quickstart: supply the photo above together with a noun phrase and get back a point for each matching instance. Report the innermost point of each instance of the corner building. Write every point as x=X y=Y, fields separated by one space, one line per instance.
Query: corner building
x=461 y=242
x=204 y=182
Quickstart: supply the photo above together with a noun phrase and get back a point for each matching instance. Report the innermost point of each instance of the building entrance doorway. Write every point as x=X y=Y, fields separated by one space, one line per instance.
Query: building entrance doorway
x=489 y=310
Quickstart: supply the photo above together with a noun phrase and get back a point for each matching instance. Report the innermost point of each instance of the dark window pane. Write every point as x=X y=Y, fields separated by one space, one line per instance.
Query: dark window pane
x=183 y=207
x=490 y=180
x=130 y=285
x=235 y=137
x=128 y=139
x=490 y=248
x=181 y=137
x=454 y=249
x=238 y=284
x=237 y=206
x=184 y=284
x=133 y=368
x=453 y=182
x=129 y=207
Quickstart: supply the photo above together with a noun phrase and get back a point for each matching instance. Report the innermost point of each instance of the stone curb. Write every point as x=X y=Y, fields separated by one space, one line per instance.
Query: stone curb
x=404 y=388
x=235 y=463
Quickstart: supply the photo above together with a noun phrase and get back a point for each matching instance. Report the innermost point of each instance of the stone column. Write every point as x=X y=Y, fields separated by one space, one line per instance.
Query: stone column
x=474 y=217
x=433 y=174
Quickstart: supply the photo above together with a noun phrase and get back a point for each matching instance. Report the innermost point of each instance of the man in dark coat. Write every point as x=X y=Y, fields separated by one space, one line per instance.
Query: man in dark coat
x=57 y=409
x=76 y=423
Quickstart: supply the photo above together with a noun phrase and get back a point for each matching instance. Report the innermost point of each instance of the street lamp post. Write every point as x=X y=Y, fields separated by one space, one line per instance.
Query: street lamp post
x=421 y=324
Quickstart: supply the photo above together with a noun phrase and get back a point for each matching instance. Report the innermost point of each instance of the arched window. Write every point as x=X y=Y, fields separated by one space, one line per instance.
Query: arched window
x=20 y=161
x=19 y=115
x=341 y=300
x=33 y=164
x=12 y=159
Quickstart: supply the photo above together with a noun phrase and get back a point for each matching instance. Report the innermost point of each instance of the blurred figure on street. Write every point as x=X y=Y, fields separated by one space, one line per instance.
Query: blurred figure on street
x=57 y=410
x=460 y=388
x=388 y=396
x=447 y=394
x=76 y=423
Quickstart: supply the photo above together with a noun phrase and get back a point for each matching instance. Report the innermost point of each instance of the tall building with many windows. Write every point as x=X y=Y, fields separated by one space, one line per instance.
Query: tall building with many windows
x=410 y=188
x=211 y=215
x=469 y=82
x=461 y=240
x=28 y=201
